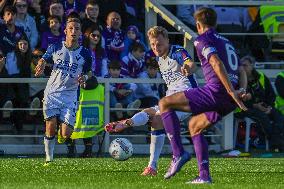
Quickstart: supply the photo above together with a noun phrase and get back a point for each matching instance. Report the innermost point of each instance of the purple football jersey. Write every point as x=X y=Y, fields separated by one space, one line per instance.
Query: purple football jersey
x=210 y=43
x=49 y=38
x=114 y=43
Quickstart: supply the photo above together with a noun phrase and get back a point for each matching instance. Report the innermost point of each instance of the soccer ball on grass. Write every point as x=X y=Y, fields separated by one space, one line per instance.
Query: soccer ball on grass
x=120 y=149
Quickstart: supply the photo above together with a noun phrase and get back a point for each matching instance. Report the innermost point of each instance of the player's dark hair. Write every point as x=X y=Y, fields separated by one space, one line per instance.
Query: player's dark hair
x=206 y=16
x=114 y=64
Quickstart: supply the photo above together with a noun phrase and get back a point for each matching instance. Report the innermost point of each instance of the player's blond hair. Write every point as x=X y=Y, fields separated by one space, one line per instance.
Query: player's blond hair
x=155 y=31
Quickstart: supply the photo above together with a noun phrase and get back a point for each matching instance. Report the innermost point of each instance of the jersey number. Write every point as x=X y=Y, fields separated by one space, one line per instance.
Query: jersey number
x=232 y=57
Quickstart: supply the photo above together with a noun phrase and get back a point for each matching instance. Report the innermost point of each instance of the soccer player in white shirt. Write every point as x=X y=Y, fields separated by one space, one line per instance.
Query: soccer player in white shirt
x=70 y=61
x=175 y=65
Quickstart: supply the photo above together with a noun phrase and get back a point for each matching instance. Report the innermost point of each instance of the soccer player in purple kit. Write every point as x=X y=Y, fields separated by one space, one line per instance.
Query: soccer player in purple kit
x=209 y=103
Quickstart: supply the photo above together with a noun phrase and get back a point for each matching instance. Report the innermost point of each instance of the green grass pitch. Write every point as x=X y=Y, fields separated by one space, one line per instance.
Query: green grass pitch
x=107 y=173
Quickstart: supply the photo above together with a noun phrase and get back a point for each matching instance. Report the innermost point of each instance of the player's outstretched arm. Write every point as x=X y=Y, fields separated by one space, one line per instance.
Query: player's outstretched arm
x=222 y=74
x=39 y=69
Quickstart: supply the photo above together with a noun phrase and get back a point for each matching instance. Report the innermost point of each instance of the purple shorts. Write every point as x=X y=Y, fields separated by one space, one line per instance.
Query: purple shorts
x=212 y=100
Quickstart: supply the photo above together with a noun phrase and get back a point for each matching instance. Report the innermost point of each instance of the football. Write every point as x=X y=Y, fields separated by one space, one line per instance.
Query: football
x=120 y=149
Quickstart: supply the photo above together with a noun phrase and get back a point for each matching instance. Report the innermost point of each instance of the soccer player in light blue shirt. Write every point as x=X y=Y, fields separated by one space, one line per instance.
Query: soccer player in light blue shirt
x=70 y=61
x=176 y=68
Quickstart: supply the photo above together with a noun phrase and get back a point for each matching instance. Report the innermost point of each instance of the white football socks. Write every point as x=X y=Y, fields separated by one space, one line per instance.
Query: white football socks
x=139 y=119
x=49 y=143
x=156 y=146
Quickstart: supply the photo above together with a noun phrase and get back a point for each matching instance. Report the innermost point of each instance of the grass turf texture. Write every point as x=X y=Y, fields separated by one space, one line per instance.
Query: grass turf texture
x=107 y=173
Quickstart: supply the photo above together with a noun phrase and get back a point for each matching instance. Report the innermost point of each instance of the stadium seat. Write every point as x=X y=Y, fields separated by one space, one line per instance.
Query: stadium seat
x=247 y=135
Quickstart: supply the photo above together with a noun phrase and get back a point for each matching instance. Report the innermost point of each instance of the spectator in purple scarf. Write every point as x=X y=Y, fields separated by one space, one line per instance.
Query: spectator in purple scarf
x=55 y=9
x=132 y=35
x=113 y=36
x=133 y=64
x=76 y=5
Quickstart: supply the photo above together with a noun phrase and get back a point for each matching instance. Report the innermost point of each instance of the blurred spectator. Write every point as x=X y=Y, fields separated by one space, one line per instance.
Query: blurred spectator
x=230 y=20
x=148 y=92
x=9 y=36
x=185 y=14
x=3 y=93
x=18 y=66
x=36 y=11
x=108 y=6
x=133 y=64
x=272 y=20
x=55 y=9
x=121 y=94
x=2 y=61
x=113 y=36
x=136 y=13
x=9 y=32
x=279 y=85
x=261 y=105
x=54 y=34
x=36 y=89
x=74 y=5
x=249 y=15
x=24 y=20
x=93 y=41
x=132 y=35
x=257 y=44
x=92 y=11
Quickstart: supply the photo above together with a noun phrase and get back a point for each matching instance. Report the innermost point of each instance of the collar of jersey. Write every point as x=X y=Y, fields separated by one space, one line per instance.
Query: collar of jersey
x=69 y=48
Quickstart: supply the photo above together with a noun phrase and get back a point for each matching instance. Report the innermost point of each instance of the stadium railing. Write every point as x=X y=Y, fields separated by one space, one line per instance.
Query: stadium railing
x=226 y=133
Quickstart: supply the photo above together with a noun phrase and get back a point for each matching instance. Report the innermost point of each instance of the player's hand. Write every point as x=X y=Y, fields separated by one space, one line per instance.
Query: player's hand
x=244 y=95
x=185 y=70
x=239 y=102
x=39 y=67
x=82 y=81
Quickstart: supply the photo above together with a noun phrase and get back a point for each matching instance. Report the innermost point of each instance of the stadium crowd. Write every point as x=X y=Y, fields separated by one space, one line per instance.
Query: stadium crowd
x=113 y=31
